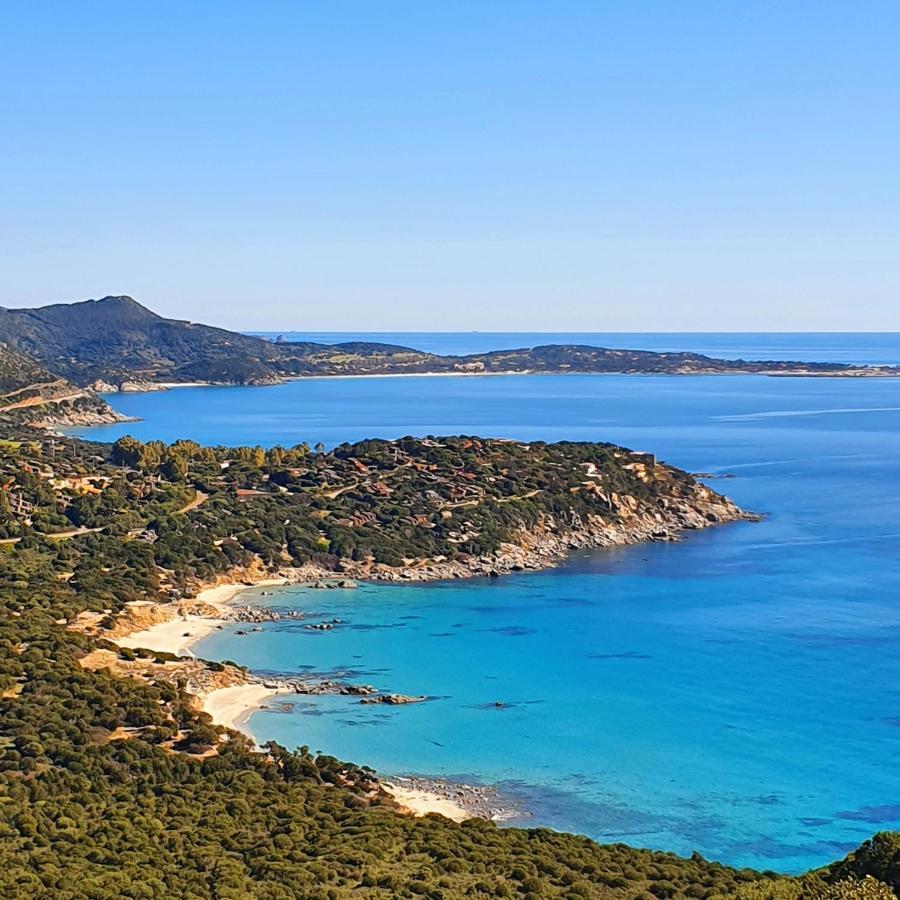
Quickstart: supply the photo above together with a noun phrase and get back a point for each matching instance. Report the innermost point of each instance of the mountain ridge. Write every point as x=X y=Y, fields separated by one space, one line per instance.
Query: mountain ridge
x=117 y=343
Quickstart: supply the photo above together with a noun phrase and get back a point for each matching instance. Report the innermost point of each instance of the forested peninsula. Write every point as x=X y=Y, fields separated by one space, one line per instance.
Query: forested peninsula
x=117 y=344
x=115 y=783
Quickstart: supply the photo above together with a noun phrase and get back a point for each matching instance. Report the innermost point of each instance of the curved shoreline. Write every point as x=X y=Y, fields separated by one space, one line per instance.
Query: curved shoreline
x=186 y=622
x=851 y=372
x=230 y=706
x=179 y=633
x=233 y=706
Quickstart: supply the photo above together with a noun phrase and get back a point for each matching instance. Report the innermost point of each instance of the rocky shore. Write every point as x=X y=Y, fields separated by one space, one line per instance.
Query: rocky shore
x=474 y=801
x=543 y=547
x=539 y=548
x=83 y=418
x=549 y=543
x=126 y=386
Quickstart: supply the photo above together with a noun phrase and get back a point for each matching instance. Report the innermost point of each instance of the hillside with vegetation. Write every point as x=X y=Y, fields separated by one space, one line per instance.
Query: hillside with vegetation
x=357 y=359
x=411 y=508
x=114 y=784
x=29 y=393
x=116 y=339
x=117 y=344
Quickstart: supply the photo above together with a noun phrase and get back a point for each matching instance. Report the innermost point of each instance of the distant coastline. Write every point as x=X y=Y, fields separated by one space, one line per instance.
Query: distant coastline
x=860 y=373
x=52 y=370
x=116 y=418
x=143 y=351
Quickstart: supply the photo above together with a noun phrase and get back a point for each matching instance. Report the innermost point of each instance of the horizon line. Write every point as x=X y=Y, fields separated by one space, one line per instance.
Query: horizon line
x=565 y=331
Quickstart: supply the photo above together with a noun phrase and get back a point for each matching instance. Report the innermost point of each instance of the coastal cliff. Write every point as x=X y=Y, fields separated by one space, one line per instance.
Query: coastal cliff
x=406 y=510
x=412 y=508
x=550 y=540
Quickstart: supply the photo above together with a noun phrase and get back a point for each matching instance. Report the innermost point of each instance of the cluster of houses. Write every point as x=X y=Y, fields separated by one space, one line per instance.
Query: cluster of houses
x=63 y=479
x=19 y=507
x=74 y=482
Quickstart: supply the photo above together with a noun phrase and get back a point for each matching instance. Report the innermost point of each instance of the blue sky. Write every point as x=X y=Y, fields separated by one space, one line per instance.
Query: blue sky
x=463 y=165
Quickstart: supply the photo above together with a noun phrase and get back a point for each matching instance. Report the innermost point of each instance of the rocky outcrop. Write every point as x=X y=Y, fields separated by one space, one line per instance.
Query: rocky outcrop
x=553 y=539
x=127 y=386
x=85 y=417
x=544 y=546
x=479 y=801
x=198 y=677
x=393 y=699
x=32 y=395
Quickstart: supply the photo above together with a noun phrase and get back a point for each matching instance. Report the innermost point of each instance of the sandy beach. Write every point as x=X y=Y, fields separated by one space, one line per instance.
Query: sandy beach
x=422 y=802
x=455 y=800
x=179 y=634
x=233 y=706
x=228 y=706
x=175 y=636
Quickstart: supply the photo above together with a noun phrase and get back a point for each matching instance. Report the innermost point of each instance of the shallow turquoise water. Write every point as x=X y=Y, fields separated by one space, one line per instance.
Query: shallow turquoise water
x=737 y=693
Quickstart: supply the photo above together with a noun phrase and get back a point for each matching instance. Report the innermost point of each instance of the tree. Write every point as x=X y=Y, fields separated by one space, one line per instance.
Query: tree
x=126 y=451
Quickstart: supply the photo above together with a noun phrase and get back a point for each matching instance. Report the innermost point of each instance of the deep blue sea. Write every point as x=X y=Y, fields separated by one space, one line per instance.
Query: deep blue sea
x=737 y=693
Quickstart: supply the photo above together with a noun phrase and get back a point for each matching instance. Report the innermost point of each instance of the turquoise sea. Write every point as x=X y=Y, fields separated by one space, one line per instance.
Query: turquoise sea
x=737 y=694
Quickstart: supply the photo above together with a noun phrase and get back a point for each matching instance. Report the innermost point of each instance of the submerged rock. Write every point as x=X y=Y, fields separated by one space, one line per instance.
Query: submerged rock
x=394 y=699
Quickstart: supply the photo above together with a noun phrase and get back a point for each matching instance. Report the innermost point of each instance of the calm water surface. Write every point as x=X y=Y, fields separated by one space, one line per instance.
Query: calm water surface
x=738 y=693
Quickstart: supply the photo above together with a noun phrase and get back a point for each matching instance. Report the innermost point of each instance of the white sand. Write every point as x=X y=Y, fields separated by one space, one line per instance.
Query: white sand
x=181 y=633
x=411 y=375
x=233 y=706
x=225 y=593
x=175 y=637
x=228 y=706
x=423 y=802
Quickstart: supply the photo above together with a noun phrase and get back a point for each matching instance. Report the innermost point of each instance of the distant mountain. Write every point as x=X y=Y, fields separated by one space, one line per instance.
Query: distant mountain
x=117 y=344
x=116 y=339
x=30 y=394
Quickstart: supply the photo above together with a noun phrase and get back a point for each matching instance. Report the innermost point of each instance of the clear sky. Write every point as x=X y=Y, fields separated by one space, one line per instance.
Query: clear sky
x=424 y=165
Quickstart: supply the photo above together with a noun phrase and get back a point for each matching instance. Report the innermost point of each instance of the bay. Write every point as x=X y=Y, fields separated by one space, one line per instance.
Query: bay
x=736 y=693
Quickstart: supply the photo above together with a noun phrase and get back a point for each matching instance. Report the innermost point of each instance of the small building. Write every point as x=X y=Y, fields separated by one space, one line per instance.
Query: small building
x=83 y=484
x=19 y=506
